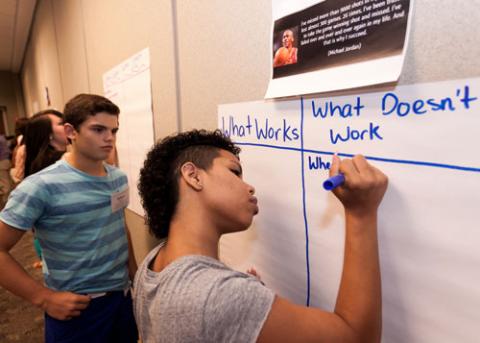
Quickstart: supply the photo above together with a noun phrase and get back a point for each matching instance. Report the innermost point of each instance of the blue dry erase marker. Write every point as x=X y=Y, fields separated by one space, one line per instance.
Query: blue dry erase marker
x=333 y=182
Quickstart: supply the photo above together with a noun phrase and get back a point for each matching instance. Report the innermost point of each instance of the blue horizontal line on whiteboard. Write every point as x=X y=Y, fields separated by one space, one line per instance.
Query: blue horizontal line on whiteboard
x=372 y=158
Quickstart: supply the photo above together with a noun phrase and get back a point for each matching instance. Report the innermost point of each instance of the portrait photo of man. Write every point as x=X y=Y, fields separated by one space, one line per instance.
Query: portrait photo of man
x=287 y=52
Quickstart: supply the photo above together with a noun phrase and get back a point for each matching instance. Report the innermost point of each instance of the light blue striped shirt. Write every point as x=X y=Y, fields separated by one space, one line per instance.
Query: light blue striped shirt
x=84 y=241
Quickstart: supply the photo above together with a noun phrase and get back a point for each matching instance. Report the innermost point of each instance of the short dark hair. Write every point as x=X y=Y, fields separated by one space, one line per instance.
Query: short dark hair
x=81 y=106
x=158 y=184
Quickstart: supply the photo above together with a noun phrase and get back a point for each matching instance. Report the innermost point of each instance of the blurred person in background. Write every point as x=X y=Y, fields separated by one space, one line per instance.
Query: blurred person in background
x=45 y=141
x=18 y=151
x=5 y=181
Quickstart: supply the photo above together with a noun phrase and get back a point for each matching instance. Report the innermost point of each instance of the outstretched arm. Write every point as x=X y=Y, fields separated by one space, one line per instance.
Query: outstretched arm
x=359 y=298
x=60 y=305
x=357 y=314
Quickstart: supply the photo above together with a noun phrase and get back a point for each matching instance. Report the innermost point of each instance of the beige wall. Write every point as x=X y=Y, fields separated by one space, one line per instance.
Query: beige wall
x=11 y=98
x=70 y=38
x=223 y=56
x=41 y=66
x=204 y=53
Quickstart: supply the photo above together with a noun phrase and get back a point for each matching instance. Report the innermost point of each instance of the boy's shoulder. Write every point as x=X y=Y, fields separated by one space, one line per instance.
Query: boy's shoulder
x=51 y=173
x=113 y=170
x=62 y=168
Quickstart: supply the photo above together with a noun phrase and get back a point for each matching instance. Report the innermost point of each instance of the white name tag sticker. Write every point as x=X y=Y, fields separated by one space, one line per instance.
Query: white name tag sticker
x=119 y=200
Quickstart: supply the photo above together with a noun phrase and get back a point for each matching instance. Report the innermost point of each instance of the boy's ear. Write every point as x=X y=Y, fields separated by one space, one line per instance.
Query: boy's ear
x=190 y=173
x=70 y=131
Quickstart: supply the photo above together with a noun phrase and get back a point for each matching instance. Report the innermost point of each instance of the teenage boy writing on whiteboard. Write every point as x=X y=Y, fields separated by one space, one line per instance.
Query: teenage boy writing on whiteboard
x=77 y=208
x=193 y=193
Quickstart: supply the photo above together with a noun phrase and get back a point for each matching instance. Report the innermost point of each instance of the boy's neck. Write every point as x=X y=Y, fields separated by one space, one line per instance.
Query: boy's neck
x=192 y=237
x=86 y=165
x=178 y=245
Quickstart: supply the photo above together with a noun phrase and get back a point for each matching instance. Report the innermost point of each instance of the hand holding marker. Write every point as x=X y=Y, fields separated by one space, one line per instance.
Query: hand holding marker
x=334 y=181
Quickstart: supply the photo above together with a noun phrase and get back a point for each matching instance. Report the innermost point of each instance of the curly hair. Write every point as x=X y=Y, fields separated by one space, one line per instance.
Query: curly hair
x=158 y=184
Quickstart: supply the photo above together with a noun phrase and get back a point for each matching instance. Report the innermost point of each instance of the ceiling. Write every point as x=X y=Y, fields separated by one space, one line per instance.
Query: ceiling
x=15 y=21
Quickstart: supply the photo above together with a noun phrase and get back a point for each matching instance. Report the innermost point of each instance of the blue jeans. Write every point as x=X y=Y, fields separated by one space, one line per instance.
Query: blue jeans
x=106 y=319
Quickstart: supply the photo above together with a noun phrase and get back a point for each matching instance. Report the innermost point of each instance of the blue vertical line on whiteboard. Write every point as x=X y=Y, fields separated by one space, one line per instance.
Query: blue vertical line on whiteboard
x=304 y=202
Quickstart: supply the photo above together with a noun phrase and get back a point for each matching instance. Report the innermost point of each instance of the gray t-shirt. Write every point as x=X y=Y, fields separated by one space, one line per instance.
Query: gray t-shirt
x=198 y=299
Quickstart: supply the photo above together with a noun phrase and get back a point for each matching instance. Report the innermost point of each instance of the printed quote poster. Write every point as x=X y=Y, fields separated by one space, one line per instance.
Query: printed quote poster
x=336 y=44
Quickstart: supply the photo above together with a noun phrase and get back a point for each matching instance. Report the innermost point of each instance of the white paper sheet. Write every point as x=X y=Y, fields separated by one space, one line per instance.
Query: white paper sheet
x=128 y=86
x=425 y=138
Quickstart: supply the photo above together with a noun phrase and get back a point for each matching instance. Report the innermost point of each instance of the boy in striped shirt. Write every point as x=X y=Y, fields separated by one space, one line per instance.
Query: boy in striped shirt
x=77 y=208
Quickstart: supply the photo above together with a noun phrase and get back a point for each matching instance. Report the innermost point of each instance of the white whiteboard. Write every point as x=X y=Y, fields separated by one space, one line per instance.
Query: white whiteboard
x=428 y=222
x=128 y=85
